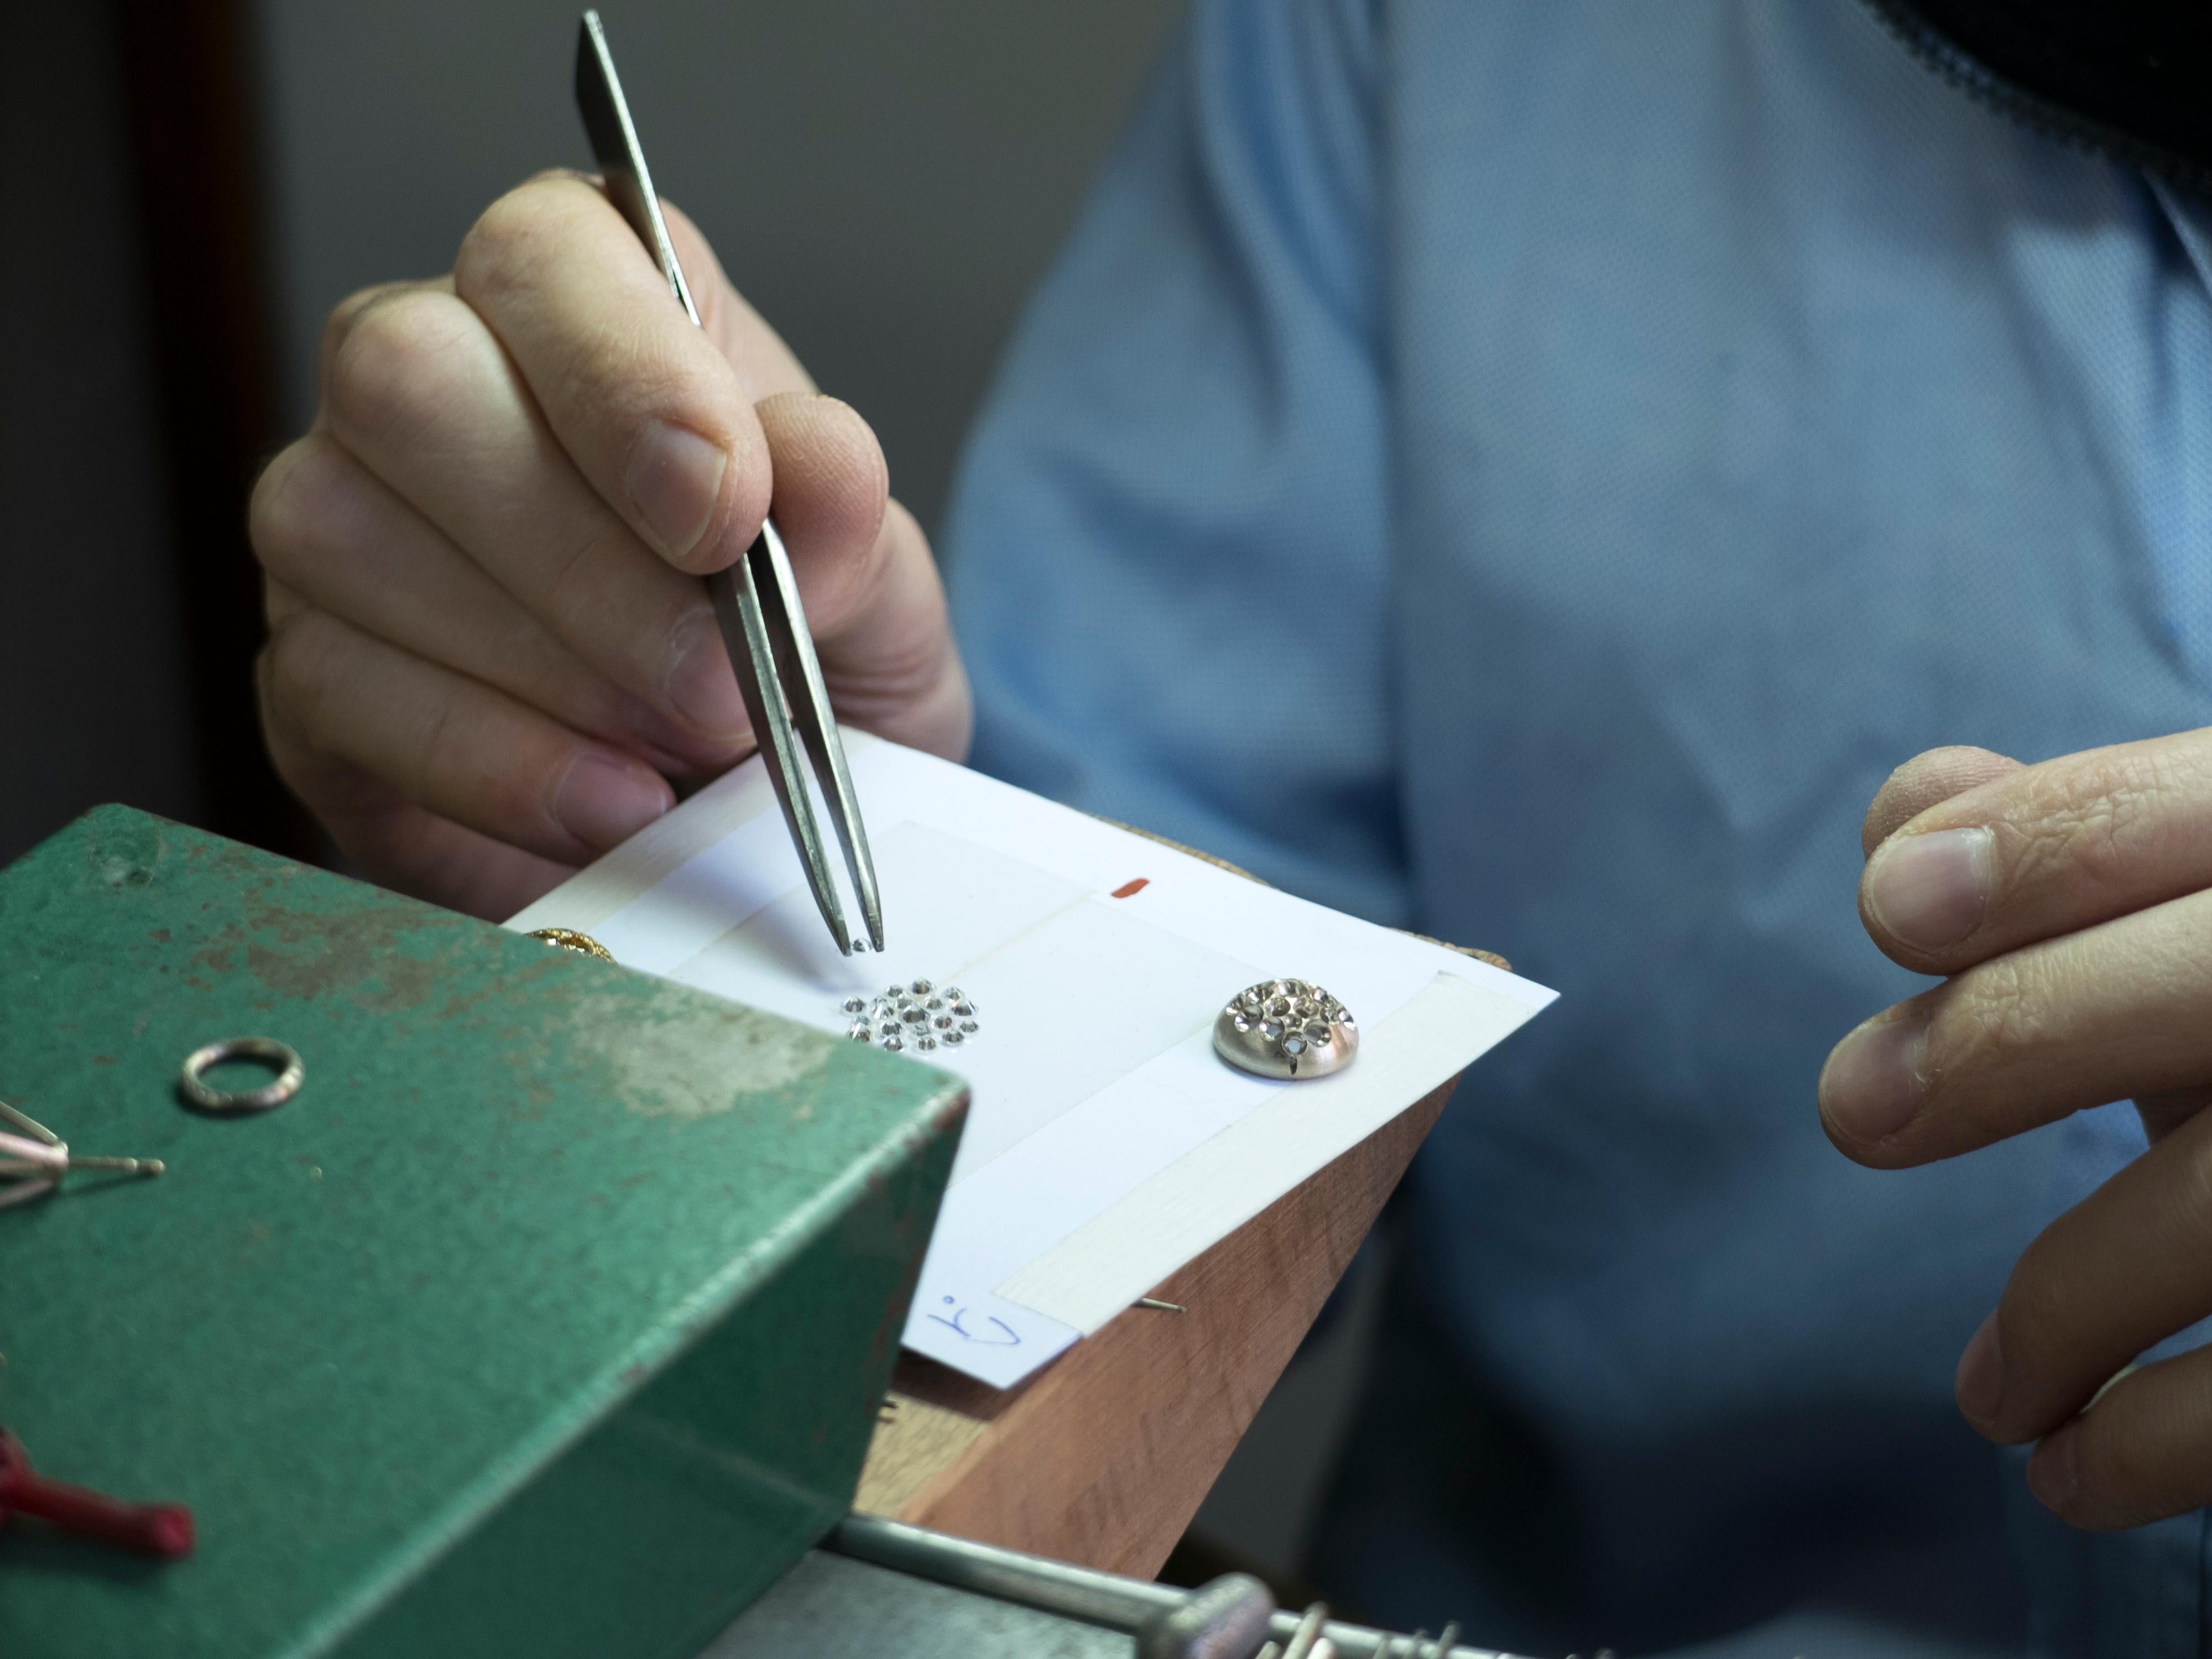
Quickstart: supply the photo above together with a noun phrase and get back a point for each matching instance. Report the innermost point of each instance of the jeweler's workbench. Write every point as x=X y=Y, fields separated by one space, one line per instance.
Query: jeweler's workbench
x=554 y=1311
x=551 y=1312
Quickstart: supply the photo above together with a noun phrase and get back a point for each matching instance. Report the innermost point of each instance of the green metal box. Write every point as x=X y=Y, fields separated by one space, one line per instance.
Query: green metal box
x=552 y=1316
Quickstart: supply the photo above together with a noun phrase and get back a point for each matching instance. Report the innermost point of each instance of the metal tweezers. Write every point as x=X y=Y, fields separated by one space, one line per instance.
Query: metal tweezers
x=757 y=599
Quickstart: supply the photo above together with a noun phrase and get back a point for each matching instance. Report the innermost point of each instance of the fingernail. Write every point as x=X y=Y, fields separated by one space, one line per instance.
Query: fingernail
x=699 y=684
x=1928 y=891
x=675 y=478
x=1872 y=1084
x=2051 y=1473
x=603 y=801
x=1980 y=1385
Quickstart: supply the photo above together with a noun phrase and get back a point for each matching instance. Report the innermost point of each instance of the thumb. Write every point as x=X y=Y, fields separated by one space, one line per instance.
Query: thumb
x=1930 y=777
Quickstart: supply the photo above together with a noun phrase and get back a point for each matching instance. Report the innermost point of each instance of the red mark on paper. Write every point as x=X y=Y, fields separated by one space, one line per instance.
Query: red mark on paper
x=1130 y=889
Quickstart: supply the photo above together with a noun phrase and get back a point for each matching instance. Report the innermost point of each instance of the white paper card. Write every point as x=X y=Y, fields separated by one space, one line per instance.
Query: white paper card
x=1106 y=1144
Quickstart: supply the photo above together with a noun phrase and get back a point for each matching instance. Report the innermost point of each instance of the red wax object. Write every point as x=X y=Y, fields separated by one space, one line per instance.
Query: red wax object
x=163 y=1529
x=1131 y=889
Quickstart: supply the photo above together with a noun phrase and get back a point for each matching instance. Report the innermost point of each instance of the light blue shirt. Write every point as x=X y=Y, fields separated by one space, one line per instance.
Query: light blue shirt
x=1526 y=470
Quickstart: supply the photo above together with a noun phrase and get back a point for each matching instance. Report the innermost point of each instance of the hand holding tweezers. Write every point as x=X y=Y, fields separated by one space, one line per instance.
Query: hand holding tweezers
x=757 y=599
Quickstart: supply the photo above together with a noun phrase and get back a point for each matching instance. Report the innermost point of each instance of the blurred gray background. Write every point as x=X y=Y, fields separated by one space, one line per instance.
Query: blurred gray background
x=93 y=674
x=885 y=181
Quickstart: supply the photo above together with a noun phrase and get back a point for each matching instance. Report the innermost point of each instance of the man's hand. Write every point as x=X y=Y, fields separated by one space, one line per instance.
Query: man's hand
x=2071 y=904
x=490 y=648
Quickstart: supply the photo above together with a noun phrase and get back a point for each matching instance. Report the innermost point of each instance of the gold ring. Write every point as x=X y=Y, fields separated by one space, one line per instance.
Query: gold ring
x=272 y=1094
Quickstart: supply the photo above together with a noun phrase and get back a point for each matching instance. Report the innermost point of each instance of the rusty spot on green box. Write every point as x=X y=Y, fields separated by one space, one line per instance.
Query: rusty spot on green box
x=551 y=1317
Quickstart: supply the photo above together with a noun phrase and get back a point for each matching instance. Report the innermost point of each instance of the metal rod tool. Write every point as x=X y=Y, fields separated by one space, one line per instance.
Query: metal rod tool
x=1105 y=1599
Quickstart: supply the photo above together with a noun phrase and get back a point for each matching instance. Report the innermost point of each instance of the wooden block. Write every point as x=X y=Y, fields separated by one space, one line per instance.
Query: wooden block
x=1103 y=1457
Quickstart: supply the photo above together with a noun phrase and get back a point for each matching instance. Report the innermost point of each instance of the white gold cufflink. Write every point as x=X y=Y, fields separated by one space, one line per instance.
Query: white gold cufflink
x=1287 y=1029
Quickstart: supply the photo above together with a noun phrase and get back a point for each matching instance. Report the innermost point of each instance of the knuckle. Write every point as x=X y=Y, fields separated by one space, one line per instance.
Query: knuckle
x=511 y=236
x=311 y=679
x=278 y=602
x=2089 y=828
x=293 y=673
x=288 y=513
x=1987 y=1015
x=339 y=326
x=291 y=660
x=384 y=373
x=273 y=523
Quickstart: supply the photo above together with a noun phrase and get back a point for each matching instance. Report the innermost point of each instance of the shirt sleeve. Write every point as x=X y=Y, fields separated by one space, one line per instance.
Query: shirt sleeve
x=1168 y=549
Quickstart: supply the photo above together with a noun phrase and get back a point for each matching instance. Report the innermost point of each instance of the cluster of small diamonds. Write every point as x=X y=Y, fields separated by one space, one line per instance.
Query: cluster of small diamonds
x=1292 y=1013
x=918 y=1015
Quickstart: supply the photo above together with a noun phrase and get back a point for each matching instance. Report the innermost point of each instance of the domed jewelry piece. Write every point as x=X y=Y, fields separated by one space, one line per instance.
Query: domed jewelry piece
x=1288 y=1029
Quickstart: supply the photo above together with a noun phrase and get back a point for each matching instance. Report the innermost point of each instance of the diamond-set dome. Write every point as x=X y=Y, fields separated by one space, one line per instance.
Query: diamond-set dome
x=1285 y=1028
